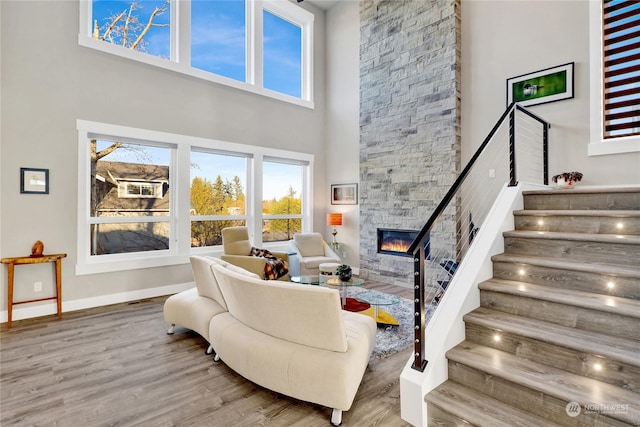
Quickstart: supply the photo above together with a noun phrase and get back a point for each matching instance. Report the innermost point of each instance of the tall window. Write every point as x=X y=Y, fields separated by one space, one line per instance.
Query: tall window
x=615 y=76
x=129 y=206
x=621 y=66
x=282 y=53
x=282 y=188
x=143 y=26
x=217 y=193
x=149 y=199
x=260 y=46
x=219 y=38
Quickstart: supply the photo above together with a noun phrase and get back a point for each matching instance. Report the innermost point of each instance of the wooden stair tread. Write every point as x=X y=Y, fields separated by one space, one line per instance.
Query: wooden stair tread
x=568 y=264
x=480 y=409
x=612 y=347
x=592 y=301
x=582 y=190
x=547 y=379
x=577 y=212
x=578 y=237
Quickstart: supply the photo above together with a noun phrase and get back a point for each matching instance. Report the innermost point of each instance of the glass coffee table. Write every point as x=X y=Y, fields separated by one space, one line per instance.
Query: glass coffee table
x=349 y=304
x=376 y=299
x=306 y=280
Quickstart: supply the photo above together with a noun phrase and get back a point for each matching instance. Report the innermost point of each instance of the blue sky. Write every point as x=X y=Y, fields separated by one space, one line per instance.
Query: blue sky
x=218 y=45
x=218 y=41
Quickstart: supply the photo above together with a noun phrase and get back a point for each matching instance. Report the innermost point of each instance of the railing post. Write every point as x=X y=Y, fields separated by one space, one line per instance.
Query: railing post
x=512 y=148
x=419 y=308
x=545 y=153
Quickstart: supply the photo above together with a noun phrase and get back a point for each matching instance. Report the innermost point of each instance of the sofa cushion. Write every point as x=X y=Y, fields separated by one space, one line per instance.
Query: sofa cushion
x=235 y=268
x=206 y=282
x=325 y=377
x=191 y=310
x=309 y=244
x=307 y=315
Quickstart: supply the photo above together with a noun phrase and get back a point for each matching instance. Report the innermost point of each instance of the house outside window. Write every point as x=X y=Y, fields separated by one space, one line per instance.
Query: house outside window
x=615 y=76
x=149 y=199
x=265 y=47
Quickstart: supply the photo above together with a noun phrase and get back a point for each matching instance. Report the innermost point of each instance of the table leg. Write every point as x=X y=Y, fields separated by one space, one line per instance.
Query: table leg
x=9 y=294
x=59 y=287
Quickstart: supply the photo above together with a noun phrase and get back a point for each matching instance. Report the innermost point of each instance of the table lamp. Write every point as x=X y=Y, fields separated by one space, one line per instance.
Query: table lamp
x=334 y=219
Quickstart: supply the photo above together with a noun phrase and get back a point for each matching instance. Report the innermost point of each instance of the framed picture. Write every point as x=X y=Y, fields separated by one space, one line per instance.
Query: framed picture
x=548 y=85
x=34 y=181
x=344 y=194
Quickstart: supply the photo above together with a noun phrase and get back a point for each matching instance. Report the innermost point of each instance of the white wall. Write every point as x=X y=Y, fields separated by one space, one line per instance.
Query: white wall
x=503 y=39
x=343 y=117
x=48 y=82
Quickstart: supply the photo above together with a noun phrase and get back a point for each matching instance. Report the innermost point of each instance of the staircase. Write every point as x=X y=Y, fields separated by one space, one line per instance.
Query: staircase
x=556 y=339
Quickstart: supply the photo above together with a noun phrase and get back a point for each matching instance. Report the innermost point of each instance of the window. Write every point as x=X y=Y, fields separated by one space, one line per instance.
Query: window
x=148 y=199
x=615 y=76
x=219 y=38
x=282 y=52
x=142 y=26
x=128 y=208
x=282 y=194
x=217 y=193
x=263 y=47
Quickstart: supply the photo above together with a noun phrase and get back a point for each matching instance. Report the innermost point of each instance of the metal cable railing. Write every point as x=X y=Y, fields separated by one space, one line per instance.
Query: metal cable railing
x=516 y=148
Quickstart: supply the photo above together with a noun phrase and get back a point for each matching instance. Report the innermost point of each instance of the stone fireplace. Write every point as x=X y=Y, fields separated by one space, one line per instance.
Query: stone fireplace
x=409 y=122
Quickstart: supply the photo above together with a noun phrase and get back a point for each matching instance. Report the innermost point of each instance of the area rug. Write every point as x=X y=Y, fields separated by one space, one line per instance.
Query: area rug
x=392 y=339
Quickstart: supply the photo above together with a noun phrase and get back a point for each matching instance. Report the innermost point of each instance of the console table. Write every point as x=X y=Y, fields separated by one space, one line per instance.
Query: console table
x=12 y=262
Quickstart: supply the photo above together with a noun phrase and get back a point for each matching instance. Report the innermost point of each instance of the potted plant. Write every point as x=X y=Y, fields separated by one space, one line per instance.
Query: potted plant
x=344 y=272
x=567 y=179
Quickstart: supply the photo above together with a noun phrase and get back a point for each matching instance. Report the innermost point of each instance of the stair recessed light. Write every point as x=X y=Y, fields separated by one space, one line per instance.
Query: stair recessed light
x=521 y=272
x=619 y=226
x=597 y=366
x=611 y=285
x=496 y=337
x=540 y=222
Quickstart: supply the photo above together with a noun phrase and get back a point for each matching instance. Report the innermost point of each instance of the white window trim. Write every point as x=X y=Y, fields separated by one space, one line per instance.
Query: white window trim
x=598 y=146
x=180 y=247
x=181 y=47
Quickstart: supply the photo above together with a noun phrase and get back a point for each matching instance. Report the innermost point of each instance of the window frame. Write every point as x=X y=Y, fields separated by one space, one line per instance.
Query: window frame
x=598 y=145
x=179 y=183
x=180 y=49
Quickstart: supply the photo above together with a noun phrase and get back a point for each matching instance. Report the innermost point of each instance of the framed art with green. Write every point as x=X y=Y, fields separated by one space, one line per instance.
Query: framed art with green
x=540 y=87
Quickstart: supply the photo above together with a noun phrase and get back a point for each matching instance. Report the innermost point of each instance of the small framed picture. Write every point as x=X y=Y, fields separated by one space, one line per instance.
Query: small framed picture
x=34 y=181
x=548 y=85
x=344 y=194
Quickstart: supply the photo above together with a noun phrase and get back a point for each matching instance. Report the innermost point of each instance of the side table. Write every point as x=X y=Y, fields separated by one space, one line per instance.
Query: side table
x=12 y=262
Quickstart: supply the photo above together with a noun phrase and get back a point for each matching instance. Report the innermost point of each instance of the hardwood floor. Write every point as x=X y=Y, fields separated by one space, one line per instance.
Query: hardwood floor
x=116 y=366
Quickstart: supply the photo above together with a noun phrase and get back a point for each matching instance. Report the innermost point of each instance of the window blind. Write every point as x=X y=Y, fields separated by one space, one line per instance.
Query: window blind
x=621 y=67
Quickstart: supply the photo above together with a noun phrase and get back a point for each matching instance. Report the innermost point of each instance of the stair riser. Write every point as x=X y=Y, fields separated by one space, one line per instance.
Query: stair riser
x=522 y=397
x=601 y=252
x=568 y=279
x=583 y=201
x=559 y=356
x=579 y=224
x=561 y=314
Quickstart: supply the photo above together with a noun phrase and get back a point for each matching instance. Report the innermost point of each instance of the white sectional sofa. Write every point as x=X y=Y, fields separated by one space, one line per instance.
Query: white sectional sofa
x=290 y=338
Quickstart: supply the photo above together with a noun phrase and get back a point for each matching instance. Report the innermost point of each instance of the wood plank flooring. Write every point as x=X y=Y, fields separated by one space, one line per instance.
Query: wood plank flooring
x=116 y=366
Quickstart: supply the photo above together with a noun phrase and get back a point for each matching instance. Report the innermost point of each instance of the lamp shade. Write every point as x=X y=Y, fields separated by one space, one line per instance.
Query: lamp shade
x=334 y=219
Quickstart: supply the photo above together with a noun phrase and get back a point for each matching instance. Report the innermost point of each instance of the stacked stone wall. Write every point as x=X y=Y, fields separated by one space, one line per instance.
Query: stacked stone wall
x=409 y=121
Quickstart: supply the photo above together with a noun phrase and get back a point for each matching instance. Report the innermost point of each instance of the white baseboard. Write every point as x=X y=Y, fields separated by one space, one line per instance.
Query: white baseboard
x=48 y=308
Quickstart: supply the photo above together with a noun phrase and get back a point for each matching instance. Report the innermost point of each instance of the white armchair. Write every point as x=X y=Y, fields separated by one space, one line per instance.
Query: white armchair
x=307 y=252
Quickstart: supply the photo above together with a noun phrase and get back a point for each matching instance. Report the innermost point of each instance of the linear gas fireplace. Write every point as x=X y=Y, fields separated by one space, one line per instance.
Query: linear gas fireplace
x=394 y=241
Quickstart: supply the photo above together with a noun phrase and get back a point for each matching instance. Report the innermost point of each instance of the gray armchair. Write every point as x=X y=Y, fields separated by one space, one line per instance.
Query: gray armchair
x=307 y=252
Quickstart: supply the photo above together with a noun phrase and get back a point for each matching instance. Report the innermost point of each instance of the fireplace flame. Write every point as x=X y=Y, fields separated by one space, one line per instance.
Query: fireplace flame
x=395 y=245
